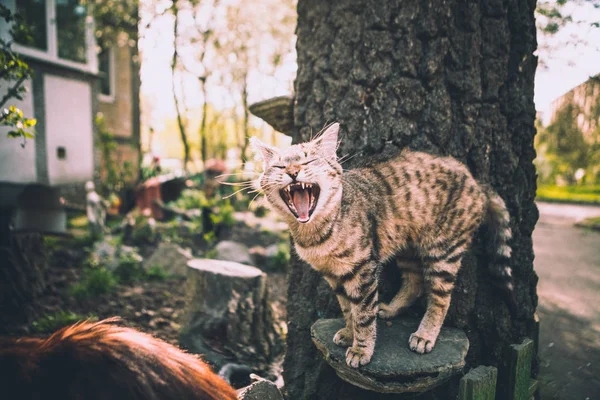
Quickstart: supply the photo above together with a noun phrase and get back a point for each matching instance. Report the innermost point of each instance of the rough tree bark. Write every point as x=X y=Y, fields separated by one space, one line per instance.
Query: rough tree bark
x=22 y=268
x=443 y=76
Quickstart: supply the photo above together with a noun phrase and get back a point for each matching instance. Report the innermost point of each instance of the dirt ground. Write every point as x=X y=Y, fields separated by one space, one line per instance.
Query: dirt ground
x=155 y=307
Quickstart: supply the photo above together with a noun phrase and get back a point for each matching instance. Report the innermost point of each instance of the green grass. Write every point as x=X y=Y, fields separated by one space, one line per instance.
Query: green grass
x=95 y=281
x=569 y=194
x=52 y=322
x=590 y=223
x=80 y=221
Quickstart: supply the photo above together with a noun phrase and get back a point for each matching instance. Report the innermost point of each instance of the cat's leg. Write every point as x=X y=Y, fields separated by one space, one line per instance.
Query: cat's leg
x=345 y=336
x=362 y=292
x=439 y=279
x=411 y=289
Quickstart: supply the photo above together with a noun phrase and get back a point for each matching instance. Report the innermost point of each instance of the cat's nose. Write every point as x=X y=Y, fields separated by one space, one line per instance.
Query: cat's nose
x=293 y=171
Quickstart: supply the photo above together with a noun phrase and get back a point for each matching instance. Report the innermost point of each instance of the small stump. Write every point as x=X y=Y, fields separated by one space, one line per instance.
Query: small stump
x=229 y=316
x=394 y=368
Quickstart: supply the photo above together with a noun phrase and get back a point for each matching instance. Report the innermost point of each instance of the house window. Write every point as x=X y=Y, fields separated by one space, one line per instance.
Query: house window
x=62 y=32
x=35 y=17
x=70 y=30
x=106 y=72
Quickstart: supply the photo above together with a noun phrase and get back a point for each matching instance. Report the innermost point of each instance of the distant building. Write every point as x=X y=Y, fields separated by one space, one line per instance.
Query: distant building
x=119 y=103
x=585 y=99
x=72 y=83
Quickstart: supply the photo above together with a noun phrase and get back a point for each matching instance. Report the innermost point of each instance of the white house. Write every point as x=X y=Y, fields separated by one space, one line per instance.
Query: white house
x=69 y=86
x=61 y=97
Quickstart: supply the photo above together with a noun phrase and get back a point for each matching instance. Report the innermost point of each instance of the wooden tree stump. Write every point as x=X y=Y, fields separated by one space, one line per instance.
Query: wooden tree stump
x=228 y=311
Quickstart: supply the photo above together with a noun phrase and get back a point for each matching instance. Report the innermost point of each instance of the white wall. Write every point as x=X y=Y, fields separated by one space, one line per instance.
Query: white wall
x=17 y=164
x=69 y=125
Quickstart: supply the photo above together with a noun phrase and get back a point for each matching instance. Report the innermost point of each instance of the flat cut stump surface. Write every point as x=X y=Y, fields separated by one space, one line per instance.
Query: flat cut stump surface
x=394 y=368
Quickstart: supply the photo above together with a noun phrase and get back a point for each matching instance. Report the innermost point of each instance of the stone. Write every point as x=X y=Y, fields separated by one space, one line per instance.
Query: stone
x=171 y=258
x=267 y=258
x=237 y=375
x=394 y=368
x=228 y=250
x=110 y=253
x=262 y=389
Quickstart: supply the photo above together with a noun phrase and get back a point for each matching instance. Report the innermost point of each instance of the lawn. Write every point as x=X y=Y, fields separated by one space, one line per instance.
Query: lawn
x=569 y=194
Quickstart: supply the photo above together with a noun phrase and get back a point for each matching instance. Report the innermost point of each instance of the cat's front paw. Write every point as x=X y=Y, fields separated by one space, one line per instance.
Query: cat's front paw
x=421 y=342
x=356 y=356
x=344 y=337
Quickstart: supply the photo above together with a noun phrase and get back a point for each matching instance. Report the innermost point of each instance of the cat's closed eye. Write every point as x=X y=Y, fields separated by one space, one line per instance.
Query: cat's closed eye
x=278 y=166
x=309 y=161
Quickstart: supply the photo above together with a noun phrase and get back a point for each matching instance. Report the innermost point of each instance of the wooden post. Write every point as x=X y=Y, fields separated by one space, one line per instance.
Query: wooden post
x=478 y=384
x=519 y=370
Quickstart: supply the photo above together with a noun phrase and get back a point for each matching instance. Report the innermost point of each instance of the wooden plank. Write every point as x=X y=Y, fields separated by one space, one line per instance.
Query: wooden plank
x=519 y=370
x=478 y=384
x=533 y=388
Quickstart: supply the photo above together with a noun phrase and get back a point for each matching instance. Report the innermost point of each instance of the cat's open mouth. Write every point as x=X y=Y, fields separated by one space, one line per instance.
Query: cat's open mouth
x=301 y=199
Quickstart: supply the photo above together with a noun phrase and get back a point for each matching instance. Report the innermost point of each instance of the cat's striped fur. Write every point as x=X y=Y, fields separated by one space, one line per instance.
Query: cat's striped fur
x=418 y=208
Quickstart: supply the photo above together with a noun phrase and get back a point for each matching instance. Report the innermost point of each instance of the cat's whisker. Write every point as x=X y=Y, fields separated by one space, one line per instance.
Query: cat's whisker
x=237 y=174
x=237 y=183
x=254 y=198
x=347 y=157
x=234 y=193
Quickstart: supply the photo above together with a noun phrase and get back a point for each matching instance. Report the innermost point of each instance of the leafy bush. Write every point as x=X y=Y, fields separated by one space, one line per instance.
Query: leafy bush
x=157 y=273
x=15 y=72
x=129 y=269
x=95 y=281
x=191 y=200
x=260 y=211
x=52 y=322
x=223 y=215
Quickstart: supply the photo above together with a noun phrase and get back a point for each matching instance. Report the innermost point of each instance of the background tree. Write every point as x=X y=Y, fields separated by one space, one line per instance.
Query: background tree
x=256 y=38
x=441 y=76
x=181 y=119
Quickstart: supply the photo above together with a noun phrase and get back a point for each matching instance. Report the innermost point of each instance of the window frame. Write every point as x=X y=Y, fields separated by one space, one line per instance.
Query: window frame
x=51 y=55
x=109 y=98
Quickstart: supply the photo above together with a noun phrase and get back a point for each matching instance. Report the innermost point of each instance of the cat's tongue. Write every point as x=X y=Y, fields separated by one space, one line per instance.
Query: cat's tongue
x=301 y=200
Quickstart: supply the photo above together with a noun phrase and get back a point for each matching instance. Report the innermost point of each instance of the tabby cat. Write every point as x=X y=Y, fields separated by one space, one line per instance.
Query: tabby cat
x=418 y=208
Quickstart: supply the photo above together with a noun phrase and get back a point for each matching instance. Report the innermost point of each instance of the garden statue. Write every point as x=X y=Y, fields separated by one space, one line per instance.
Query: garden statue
x=96 y=210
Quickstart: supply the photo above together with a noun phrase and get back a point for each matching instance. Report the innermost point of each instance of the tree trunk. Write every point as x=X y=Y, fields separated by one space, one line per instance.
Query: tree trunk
x=246 y=131
x=203 y=145
x=22 y=267
x=443 y=76
x=181 y=123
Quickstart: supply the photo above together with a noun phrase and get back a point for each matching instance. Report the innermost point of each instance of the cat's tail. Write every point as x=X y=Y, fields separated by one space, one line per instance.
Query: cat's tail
x=499 y=235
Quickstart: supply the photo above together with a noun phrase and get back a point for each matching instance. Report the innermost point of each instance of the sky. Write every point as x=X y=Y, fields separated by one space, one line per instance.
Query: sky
x=567 y=59
x=566 y=64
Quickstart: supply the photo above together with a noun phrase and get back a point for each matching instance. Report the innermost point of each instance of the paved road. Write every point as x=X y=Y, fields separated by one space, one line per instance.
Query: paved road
x=567 y=260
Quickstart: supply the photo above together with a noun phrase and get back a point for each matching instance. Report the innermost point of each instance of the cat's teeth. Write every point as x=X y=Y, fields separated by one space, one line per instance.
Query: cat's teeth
x=303 y=186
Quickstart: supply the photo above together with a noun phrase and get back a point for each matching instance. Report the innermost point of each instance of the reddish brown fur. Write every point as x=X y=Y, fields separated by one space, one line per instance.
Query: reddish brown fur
x=103 y=361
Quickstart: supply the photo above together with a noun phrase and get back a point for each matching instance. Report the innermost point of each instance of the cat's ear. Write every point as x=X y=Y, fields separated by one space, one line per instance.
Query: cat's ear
x=328 y=141
x=266 y=152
